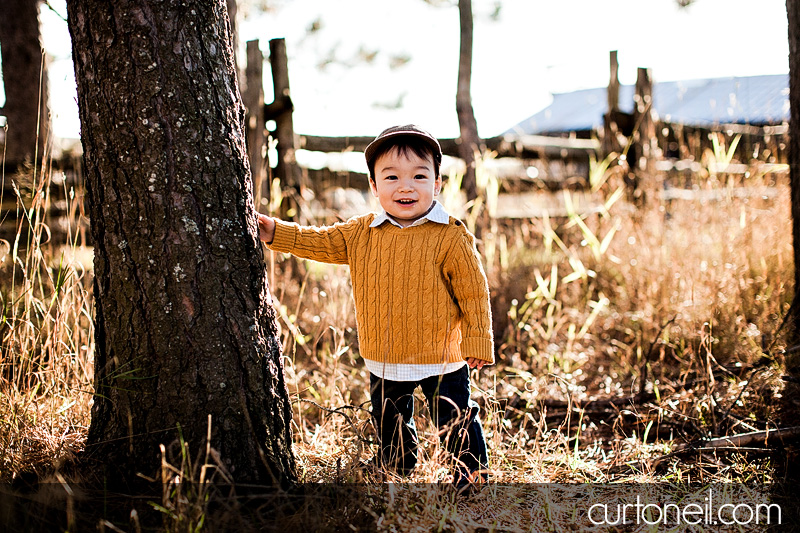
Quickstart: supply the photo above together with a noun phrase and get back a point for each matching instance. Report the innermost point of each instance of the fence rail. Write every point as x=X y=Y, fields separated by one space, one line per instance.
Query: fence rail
x=509 y=145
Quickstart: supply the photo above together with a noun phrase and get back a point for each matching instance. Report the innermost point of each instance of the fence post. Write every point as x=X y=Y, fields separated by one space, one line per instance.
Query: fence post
x=280 y=111
x=644 y=147
x=253 y=96
x=610 y=125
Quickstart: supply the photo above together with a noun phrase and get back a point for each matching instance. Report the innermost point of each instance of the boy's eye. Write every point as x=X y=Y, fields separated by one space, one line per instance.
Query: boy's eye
x=391 y=177
x=421 y=177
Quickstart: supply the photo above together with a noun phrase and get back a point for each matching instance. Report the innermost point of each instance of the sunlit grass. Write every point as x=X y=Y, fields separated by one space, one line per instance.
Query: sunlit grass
x=679 y=305
x=46 y=334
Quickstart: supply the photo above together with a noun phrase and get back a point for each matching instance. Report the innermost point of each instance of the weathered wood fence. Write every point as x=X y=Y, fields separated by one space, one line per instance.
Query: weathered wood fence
x=51 y=204
x=643 y=139
x=288 y=141
x=644 y=157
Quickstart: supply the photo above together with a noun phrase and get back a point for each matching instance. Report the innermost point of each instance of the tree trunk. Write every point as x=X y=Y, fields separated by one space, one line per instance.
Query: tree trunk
x=25 y=81
x=793 y=358
x=233 y=15
x=184 y=322
x=470 y=142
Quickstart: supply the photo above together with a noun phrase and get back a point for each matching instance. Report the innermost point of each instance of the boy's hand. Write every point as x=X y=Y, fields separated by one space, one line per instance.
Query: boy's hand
x=266 y=228
x=475 y=363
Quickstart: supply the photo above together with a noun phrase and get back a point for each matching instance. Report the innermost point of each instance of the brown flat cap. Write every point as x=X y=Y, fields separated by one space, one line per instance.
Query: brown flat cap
x=409 y=130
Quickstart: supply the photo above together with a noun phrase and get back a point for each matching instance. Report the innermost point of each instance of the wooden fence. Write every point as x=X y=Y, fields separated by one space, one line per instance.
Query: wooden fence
x=561 y=157
x=56 y=204
x=533 y=147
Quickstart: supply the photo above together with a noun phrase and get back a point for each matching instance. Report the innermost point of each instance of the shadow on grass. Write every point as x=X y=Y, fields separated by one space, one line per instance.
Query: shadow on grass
x=63 y=507
x=398 y=507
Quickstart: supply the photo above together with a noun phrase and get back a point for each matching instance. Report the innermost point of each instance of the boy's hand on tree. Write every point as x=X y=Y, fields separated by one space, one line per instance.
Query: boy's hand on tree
x=475 y=363
x=266 y=228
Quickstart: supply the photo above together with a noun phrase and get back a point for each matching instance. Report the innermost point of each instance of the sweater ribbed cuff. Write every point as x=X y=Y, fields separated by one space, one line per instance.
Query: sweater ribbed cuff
x=284 y=239
x=479 y=348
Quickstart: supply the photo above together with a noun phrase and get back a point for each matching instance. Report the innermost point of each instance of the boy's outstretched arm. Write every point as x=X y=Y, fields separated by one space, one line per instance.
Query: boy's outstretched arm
x=326 y=244
x=266 y=228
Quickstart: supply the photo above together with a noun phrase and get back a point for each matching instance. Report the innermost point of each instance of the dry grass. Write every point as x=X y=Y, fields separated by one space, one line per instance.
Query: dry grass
x=676 y=308
x=681 y=308
x=46 y=336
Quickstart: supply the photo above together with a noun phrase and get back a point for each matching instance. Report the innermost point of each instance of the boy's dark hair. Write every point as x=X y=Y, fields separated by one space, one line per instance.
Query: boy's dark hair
x=404 y=139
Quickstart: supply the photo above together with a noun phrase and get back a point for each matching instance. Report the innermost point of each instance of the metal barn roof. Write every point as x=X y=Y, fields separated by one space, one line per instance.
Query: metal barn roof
x=756 y=100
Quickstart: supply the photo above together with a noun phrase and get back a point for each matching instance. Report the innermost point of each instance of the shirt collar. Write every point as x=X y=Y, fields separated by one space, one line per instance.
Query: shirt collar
x=436 y=214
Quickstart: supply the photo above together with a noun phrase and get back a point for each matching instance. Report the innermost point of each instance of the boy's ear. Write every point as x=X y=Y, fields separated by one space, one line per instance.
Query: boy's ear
x=372 y=186
x=437 y=187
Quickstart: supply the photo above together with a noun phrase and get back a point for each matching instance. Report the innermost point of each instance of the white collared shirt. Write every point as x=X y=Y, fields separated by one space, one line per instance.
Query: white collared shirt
x=436 y=214
x=412 y=372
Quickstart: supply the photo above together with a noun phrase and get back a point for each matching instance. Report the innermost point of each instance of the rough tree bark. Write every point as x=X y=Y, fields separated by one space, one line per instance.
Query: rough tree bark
x=233 y=15
x=184 y=323
x=26 y=102
x=470 y=142
x=793 y=13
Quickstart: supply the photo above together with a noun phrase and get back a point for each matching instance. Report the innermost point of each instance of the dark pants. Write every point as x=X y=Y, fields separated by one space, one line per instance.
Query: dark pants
x=456 y=416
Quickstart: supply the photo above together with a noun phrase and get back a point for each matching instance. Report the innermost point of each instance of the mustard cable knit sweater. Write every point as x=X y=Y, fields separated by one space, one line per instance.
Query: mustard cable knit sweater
x=421 y=295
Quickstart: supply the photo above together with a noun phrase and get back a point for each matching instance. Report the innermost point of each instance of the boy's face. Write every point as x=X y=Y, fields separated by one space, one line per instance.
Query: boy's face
x=405 y=185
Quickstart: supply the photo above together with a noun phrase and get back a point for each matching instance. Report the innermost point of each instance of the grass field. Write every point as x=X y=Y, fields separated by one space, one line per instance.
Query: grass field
x=620 y=335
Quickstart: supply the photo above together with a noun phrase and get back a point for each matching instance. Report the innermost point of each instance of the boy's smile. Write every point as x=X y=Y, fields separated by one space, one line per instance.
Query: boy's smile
x=405 y=185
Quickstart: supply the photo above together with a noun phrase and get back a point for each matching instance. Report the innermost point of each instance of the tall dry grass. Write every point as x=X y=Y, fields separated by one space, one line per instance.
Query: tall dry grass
x=676 y=307
x=46 y=333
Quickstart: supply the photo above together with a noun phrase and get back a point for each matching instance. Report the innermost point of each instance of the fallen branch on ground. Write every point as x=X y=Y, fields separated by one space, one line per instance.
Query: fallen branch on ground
x=743 y=442
x=784 y=435
x=589 y=406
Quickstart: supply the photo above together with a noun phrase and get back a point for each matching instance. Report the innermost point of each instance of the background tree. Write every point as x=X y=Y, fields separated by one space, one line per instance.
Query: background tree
x=793 y=14
x=468 y=126
x=184 y=323
x=470 y=142
x=24 y=80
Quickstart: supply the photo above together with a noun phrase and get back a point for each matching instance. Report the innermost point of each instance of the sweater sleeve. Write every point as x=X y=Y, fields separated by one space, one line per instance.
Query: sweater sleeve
x=327 y=244
x=464 y=272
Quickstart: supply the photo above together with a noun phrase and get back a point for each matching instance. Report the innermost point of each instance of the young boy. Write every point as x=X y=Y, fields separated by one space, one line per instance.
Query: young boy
x=421 y=299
